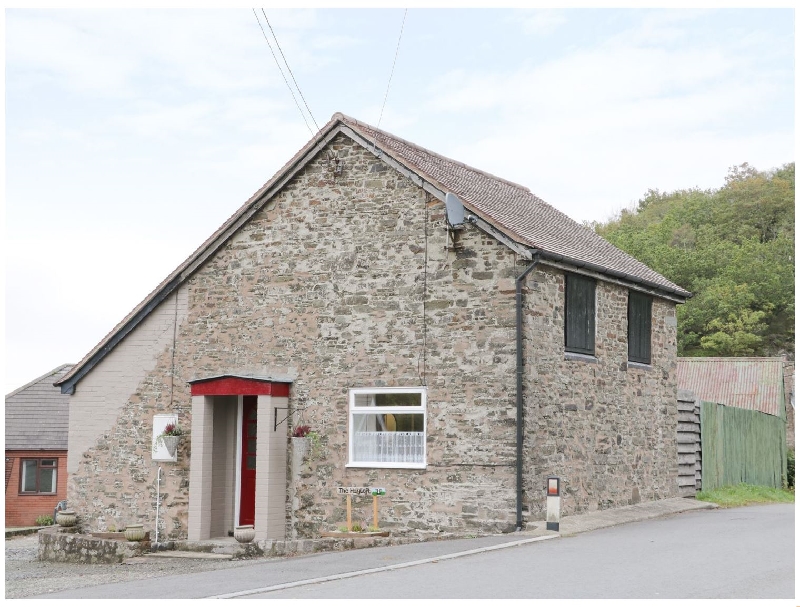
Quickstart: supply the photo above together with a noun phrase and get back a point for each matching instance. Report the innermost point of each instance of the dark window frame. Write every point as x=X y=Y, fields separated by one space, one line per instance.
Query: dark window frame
x=39 y=468
x=580 y=309
x=640 y=327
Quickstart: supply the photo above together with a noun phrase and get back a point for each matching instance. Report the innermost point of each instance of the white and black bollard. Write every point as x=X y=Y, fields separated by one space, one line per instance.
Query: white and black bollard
x=553 y=502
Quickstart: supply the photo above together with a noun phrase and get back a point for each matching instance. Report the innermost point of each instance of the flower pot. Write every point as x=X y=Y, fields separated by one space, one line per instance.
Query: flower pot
x=66 y=518
x=244 y=534
x=171 y=443
x=134 y=533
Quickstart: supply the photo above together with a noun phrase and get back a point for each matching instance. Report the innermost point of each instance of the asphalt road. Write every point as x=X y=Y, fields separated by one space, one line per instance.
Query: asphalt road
x=736 y=553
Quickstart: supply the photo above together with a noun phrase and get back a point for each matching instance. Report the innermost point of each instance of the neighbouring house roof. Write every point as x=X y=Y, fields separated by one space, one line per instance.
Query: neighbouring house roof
x=747 y=383
x=37 y=414
x=507 y=210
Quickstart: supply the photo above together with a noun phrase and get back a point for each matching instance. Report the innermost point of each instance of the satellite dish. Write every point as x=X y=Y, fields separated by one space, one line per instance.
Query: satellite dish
x=455 y=210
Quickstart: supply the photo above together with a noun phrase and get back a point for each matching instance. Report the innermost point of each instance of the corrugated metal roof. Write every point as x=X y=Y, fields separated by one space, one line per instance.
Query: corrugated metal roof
x=37 y=414
x=747 y=383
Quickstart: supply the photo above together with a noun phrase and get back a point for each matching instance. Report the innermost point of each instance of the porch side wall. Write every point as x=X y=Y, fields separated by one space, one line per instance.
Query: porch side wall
x=223 y=485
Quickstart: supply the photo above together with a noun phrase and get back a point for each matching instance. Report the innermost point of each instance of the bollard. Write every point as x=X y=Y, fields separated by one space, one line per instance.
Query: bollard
x=553 y=502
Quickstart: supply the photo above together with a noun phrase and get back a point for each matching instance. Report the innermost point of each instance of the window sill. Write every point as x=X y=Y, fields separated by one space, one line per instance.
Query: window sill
x=586 y=358
x=641 y=366
x=387 y=465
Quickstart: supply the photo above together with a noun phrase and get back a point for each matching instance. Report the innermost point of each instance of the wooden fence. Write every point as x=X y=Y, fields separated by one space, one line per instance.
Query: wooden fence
x=689 y=451
x=741 y=446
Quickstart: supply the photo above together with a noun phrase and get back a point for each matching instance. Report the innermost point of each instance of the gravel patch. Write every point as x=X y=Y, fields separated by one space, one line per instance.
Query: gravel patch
x=26 y=576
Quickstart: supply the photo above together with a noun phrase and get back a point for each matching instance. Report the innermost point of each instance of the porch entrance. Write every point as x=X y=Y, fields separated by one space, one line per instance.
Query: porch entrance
x=237 y=473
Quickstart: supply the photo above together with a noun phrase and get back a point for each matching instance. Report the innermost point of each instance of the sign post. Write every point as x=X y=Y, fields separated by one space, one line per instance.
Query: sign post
x=351 y=491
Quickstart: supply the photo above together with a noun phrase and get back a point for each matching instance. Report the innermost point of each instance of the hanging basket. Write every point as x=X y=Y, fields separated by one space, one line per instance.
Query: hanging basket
x=300 y=447
x=171 y=443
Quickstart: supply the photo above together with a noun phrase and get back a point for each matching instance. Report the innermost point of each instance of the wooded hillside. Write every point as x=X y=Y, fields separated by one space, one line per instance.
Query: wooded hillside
x=733 y=248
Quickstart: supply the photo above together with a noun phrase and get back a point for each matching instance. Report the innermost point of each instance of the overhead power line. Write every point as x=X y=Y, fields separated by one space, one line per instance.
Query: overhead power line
x=280 y=69
x=290 y=69
x=397 y=50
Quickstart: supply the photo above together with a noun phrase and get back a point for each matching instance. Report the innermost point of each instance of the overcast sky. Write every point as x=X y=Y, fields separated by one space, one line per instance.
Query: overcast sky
x=132 y=135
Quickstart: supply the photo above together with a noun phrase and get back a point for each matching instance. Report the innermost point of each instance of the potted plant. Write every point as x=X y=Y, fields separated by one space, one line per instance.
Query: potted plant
x=170 y=437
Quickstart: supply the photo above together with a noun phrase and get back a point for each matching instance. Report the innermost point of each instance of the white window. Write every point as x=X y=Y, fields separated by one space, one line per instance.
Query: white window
x=387 y=427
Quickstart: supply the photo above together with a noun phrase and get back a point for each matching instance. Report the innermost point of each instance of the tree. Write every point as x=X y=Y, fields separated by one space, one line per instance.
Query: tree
x=733 y=248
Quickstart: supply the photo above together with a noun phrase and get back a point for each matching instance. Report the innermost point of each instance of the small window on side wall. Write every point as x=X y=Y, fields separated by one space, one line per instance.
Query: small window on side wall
x=640 y=310
x=387 y=428
x=579 y=314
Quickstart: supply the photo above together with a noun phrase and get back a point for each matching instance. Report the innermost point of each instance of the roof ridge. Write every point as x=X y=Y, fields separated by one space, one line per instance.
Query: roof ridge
x=358 y=123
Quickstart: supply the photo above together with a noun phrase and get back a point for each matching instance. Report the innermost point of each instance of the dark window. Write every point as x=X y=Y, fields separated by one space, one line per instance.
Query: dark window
x=38 y=476
x=579 y=314
x=640 y=308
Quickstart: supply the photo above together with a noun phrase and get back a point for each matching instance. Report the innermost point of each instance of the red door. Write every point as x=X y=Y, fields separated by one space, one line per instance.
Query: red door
x=247 y=499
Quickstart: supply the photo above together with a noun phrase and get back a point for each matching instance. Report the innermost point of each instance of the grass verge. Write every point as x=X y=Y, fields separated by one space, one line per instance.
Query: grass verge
x=744 y=494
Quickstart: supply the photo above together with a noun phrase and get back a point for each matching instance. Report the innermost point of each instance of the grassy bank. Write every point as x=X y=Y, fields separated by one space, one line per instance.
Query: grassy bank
x=742 y=495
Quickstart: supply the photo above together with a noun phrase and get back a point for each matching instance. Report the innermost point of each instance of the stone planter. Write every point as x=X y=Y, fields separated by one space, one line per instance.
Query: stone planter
x=66 y=518
x=134 y=533
x=171 y=443
x=244 y=534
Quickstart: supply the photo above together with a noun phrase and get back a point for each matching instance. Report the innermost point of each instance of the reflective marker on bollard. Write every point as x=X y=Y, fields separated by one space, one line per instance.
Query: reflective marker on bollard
x=553 y=502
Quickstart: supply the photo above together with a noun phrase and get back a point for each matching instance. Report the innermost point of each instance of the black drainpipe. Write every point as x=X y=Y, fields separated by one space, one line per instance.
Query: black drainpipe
x=520 y=370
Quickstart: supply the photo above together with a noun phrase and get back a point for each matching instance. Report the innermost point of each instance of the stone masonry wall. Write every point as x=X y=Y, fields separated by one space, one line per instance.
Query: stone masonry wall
x=326 y=285
x=344 y=281
x=606 y=427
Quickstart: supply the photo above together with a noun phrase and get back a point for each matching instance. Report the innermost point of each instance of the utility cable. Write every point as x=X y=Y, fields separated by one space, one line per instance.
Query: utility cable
x=282 y=74
x=397 y=50
x=290 y=69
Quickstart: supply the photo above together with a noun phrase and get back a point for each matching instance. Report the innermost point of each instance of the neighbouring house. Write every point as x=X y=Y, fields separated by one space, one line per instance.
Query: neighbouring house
x=450 y=337
x=37 y=423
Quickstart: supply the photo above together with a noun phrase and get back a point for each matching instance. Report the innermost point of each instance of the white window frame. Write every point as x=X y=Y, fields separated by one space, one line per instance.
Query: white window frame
x=405 y=410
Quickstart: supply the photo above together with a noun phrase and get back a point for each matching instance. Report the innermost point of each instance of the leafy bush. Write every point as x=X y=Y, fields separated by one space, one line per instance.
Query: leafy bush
x=790 y=468
x=44 y=520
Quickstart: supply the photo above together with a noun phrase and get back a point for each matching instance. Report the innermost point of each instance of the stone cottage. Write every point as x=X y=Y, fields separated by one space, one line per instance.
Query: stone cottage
x=455 y=355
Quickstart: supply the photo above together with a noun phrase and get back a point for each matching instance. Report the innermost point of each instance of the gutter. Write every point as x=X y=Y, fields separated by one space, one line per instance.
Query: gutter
x=520 y=370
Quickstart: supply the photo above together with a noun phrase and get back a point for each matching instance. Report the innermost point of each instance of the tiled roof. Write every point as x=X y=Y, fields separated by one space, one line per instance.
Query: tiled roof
x=37 y=414
x=747 y=383
x=509 y=207
x=513 y=209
